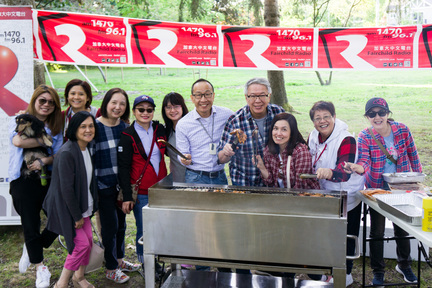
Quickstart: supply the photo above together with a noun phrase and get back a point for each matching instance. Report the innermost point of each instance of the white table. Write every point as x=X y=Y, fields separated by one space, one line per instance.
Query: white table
x=414 y=231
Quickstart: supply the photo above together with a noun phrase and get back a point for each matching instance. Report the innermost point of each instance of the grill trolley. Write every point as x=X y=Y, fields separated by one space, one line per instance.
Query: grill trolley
x=258 y=228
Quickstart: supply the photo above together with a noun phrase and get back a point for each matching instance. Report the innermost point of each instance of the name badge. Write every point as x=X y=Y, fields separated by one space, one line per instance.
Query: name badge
x=212 y=149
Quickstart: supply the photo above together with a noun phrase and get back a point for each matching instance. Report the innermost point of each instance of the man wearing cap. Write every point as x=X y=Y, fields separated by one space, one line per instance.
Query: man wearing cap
x=198 y=134
x=141 y=160
x=257 y=116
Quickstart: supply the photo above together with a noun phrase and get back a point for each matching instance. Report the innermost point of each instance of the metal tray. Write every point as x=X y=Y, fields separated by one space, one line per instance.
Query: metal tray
x=407 y=207
x=404 y=177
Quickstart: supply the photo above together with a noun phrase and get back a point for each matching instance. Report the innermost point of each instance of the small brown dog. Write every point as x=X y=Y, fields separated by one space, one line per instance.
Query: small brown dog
x=28 y=126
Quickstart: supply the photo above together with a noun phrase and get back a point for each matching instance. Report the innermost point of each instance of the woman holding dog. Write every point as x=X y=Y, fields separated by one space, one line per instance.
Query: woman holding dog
x=72 y=200
x=45 y=106
x=115 y=110
x=78 y=96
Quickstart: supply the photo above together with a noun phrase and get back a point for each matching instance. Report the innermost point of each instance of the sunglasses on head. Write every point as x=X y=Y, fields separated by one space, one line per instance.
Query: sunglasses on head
x=372 y=114
x=148 y=110
x=43 y=101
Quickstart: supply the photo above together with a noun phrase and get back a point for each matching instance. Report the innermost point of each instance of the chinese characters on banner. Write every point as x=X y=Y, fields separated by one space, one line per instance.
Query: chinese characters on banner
x=104 y=40
x=16 y=88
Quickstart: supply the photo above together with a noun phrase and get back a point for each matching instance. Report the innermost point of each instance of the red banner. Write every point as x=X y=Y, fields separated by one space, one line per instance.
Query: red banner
x=104 y=40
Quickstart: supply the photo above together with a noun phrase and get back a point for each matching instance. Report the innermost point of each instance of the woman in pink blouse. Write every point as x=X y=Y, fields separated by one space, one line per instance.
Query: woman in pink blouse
x=286 y=145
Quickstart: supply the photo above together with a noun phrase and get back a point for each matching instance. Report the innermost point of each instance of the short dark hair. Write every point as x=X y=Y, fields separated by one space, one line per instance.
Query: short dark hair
x=75 y=123
x=107 y=99
x=175 y=99
x=295 y=135
x=84 y=85
x=201 y=80
x=322 y=105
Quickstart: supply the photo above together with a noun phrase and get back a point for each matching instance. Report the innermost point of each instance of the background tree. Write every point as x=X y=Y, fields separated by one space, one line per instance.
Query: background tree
x=276 y=78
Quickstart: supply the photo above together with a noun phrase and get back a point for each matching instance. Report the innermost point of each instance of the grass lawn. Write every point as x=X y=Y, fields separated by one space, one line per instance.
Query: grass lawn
x=407 y=92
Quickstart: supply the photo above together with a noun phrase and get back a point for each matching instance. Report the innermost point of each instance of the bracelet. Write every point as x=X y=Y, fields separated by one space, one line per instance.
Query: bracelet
x=40 y=161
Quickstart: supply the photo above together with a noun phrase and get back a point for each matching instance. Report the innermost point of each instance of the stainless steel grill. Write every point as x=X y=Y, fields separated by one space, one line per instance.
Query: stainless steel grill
x=246 y=227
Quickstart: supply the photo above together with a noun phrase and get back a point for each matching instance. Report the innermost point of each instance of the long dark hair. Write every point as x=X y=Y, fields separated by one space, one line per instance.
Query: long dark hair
x=54 y=120
x=75 y=123
x=295 y=135
x=175 y=99
x=107 y=99
x=84 y=85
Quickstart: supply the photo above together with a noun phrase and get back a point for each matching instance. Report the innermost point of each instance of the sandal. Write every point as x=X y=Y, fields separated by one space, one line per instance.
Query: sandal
x=77 y=284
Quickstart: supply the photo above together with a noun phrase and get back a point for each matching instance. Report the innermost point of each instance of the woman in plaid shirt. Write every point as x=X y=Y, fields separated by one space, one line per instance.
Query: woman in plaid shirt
x=286 y=140
x=372 y=162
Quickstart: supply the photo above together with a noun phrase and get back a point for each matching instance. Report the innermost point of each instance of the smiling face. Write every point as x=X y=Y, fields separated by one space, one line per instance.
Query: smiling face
x=44 y=106
x=257 y=105
x=324 y=122
x=281 y=133
x=173 y=112
x=204 y=104
x=85 y=132
x=378 y=122
x=116 y=106
x=145 y=117
x=77 y=98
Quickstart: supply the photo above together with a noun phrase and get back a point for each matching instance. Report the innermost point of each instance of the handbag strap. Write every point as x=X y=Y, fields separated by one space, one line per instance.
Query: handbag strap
x=138 y=182
x=390 y=157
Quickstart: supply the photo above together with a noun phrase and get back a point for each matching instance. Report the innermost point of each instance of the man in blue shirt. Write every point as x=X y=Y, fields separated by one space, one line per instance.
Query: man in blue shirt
x=198 y=134
x=257 y=114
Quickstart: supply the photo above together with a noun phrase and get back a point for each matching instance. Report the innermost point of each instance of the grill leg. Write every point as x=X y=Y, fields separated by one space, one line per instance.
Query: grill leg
x=149 y=267
x=339 y=276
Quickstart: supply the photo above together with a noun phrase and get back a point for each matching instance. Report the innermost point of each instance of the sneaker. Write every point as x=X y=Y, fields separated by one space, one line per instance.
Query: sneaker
x=126 y=266
x=327 y=278
x=117 y=276
x=43 y=277
x=378 y=279
x=409 y=276
x=24 y=262
x=349 y=280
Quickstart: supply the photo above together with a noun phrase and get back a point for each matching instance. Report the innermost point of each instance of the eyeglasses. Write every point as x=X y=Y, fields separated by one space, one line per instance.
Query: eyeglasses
x=207 y=95
x=43 y=101
x=372 y=114
x=174 y=107
x=325 y=118
x=254 y=97
x=142 y=110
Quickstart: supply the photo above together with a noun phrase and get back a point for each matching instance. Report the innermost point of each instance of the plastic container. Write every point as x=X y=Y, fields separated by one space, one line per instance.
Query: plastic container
x=427 y=214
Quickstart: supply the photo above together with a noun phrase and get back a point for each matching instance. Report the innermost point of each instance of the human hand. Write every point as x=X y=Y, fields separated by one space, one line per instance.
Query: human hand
x=79 y=223
x=354 y=168
x=228 y=151
x=258 y=162
x=324 y=173
x=36 y=165
x=186 y=161
x=127 y=207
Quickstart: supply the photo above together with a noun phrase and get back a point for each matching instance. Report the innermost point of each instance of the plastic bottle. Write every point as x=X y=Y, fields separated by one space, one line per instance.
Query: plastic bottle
x=427 y=214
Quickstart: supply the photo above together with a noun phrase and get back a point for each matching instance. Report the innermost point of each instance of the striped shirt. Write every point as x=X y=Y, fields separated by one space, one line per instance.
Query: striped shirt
x=242 y=170
x=373 y=159
x=194 y=135
x=105 y=160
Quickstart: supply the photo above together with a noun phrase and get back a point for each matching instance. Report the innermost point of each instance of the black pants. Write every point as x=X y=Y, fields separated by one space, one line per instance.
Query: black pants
x=28 y=196
x=403 y=246
x=113 y=222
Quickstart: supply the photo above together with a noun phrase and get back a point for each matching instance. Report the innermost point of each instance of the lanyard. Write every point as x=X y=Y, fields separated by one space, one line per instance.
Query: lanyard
x=211 y=137
x=316 y=159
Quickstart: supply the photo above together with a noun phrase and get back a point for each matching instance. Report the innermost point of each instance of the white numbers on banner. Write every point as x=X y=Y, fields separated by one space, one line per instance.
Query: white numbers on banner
x=168 y=40
x=356 y=45
x=260 y=44
x=76 y=41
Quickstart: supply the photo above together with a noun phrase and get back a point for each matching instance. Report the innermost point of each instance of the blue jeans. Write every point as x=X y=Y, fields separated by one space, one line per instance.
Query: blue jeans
x=193 y=177
x=142 y=200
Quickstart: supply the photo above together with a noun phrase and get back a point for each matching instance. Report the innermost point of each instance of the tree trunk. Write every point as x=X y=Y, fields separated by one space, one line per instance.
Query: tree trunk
x=38 y=69
x=276 y=78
